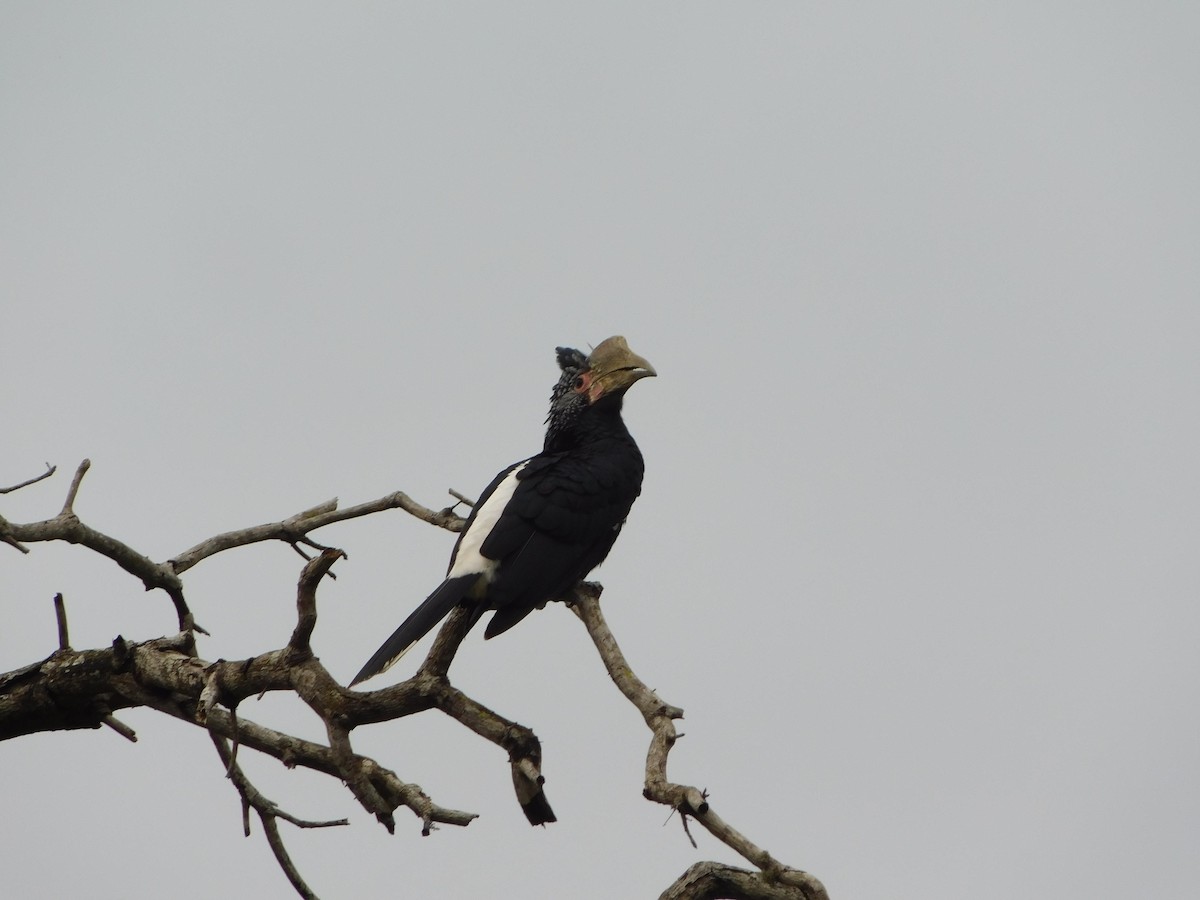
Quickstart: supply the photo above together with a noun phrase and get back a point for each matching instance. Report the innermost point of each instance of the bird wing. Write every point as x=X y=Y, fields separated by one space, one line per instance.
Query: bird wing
x=458 y=583
x=560 y=522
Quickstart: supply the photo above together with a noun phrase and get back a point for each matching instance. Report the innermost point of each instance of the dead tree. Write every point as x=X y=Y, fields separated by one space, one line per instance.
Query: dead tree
x=85 y=689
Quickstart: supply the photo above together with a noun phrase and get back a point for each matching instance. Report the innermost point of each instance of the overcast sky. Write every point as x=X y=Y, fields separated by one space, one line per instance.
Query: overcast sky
x=916 y=549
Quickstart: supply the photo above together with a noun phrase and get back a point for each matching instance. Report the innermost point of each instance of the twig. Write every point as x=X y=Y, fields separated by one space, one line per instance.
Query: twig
x=66 y=526
x=50 y=470
x=306 y=599
x=461 y=498
x=69 y=503
x=297 y=527
x=4 y=535
x=120 y=728
x=688 y=831
x=60 y=614
x=268 y=812
x=275 y=841
x=9 y=539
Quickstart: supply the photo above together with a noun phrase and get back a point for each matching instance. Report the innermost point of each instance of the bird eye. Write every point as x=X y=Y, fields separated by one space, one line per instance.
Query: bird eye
x=579 y=383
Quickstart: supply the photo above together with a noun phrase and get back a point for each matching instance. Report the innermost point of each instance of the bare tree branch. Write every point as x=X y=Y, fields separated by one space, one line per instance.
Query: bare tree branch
x=120 y=728
x=298 y=526
x=306 y=599
x=659 y=716
x=68 y=507
x=268 y=812
x=50 y=470
x=82 y=689
x=4 y=536
x=66 y=526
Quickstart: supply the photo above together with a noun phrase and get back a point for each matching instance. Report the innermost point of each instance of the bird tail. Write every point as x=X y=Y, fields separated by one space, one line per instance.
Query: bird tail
x=419 y=623
x=537 y=809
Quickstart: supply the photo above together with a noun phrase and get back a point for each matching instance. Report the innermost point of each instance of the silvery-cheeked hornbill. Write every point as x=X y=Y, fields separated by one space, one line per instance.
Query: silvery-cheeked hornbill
x=545 y=522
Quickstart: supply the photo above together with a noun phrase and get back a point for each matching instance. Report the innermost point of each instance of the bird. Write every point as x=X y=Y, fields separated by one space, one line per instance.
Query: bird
x=545 y=522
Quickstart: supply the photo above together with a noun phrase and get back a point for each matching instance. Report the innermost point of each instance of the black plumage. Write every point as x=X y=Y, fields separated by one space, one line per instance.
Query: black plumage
x=544 y=523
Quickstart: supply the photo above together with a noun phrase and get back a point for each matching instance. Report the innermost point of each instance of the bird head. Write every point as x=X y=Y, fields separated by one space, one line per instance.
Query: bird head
x=587 y=380
x=610 y=370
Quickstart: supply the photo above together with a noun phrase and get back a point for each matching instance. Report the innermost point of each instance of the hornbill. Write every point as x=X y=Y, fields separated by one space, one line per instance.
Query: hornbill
x=545 y=522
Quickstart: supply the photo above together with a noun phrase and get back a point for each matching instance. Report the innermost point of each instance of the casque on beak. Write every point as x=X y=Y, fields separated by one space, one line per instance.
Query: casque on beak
x=613 y=368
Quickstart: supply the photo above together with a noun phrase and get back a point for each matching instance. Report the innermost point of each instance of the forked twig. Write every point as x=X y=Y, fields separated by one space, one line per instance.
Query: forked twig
x=268 y=813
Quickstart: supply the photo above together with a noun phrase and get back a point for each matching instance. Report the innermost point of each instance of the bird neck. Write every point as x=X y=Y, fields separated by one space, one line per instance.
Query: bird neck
x=599 y=422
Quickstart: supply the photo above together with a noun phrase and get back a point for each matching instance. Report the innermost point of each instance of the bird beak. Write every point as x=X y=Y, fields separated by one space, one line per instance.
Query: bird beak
x=614 y=368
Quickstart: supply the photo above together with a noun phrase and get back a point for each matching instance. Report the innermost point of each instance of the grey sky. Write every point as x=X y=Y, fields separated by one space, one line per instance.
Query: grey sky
x=915 y=550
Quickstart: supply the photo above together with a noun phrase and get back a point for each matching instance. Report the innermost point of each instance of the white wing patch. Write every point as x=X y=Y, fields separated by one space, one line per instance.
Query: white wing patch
x=468 y=560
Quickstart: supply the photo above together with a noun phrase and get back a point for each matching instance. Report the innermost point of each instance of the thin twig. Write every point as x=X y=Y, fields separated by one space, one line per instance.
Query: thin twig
x=684 y=819
x=10 y=540
x=461 y=498
x=275 y=841
x=50 y=470
x=120 y=728
x=268 y=812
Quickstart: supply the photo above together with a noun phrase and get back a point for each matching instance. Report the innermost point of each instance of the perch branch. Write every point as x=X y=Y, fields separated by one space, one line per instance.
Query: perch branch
x=659 y=717
x=165 y=674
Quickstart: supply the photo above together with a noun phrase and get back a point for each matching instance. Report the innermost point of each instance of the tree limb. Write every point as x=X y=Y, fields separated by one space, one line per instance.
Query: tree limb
x=298 y=526
x=268 y=812
x=659 y=717
x=73 y=689
x=66 y=526
x=713 y=881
